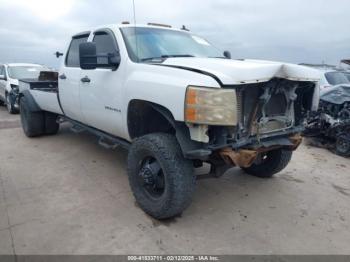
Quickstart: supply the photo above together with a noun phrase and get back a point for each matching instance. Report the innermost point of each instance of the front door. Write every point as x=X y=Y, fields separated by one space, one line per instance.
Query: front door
x=69 y=80
x=101 y=89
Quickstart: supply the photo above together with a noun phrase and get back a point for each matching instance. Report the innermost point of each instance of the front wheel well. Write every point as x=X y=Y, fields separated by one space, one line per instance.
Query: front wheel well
x=146 y=117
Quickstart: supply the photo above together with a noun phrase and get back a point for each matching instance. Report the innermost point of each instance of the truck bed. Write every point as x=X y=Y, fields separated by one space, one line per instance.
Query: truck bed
x=45 y=93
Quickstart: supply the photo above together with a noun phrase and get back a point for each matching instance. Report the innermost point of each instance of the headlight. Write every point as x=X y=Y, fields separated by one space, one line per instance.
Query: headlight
x=15 y=87
x=210 y=106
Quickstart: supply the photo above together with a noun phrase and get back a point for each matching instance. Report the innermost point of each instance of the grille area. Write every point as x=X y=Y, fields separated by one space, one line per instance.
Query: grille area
x=272 y=106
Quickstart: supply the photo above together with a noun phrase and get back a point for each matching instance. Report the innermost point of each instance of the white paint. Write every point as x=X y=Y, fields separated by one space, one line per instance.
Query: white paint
x=91 y=103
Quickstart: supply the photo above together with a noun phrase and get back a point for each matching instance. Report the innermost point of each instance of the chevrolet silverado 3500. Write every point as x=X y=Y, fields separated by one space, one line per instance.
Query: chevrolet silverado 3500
x=175 y=102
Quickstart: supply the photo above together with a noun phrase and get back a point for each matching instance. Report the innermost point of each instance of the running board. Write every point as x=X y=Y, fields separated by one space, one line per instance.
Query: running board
x=77 y=129
x=105 y=140
x=107 y=144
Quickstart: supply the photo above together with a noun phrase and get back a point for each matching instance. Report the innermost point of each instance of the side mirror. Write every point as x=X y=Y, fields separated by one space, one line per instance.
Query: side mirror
x=87 y=56
x=2 y=77
x=114 y=60
x=58 y=54
x=227 y=54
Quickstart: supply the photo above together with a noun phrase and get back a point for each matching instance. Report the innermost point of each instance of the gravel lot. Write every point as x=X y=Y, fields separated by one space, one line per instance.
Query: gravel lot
x=66 y=195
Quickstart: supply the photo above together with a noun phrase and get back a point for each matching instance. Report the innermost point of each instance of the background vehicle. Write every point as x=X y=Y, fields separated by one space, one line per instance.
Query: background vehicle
x=9 y=76
x=175 y=102
x=330 y=125
x=333 y=78
x=347 y=74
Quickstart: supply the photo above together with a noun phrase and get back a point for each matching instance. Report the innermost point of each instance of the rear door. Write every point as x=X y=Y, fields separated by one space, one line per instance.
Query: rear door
x=101 y=95
x=69 y=80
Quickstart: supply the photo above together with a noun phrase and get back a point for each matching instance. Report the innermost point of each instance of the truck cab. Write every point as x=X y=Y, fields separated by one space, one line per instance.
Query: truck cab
x=175 y=102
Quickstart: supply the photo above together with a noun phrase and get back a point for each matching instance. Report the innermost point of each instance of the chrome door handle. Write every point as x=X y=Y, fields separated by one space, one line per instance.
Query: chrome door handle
x=85 y=80
x=63 y=77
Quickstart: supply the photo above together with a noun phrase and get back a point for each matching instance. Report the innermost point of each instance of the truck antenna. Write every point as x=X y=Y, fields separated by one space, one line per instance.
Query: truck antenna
x=135 y=33
x=134 y=11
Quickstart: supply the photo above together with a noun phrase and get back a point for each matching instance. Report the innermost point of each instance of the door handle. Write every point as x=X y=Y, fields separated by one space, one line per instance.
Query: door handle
x=63 y=77
x=85 y=80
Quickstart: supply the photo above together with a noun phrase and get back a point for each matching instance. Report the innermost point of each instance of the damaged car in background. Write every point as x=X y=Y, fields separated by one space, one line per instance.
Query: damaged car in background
x=10 y=74
x=330 y=126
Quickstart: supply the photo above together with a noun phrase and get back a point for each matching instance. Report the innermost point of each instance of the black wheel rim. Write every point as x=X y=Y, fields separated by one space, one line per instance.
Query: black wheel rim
x=151 y=177
x=343 y=145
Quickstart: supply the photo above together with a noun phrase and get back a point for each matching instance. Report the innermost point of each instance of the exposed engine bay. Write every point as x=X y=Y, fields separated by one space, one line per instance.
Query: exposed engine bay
x=275 y=106
x=330 y=126
x=271 y=115
x=265 y=112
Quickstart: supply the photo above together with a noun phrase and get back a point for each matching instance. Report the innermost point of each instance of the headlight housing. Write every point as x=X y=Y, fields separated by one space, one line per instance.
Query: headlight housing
x=14 y=87
x=211 y=106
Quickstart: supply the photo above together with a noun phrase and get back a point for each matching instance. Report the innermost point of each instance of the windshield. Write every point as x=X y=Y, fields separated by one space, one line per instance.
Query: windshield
x=145 y=44
x=347 y=74
x=337 y=78
x=22 y=72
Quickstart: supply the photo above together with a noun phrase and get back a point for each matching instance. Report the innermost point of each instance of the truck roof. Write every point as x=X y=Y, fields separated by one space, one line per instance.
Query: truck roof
x=121 y=25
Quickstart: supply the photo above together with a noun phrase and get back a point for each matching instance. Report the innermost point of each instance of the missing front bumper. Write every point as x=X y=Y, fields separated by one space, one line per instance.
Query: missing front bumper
x=246 y=157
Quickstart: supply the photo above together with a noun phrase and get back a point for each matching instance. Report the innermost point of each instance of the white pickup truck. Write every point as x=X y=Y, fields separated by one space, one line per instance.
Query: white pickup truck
x=175 y=102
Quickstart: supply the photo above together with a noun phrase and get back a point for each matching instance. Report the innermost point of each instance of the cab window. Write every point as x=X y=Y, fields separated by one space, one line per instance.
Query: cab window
x=105 y=44
x=72 y=59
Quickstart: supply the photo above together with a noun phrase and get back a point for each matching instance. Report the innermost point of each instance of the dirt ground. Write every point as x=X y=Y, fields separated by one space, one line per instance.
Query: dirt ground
x=64 y=194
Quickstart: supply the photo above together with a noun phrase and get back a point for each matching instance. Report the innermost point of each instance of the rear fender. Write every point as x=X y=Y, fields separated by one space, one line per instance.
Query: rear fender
x=32 y=104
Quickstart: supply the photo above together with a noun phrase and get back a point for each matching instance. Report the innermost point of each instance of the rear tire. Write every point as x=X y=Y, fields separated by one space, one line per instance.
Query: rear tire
x=271 y=163
x=33 y=123
x=161 y=179
x=51 y=125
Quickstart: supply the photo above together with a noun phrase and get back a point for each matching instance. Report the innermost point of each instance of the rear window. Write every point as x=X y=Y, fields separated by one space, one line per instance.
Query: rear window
x=337 y=78
x=72 y=59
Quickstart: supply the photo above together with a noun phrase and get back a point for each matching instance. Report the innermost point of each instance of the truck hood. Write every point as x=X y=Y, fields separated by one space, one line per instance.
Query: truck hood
x=231 y=72
x=338 y=94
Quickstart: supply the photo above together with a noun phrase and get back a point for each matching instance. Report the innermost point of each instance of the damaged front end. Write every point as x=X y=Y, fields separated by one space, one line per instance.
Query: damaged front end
x=330 y=126
x=270 y=115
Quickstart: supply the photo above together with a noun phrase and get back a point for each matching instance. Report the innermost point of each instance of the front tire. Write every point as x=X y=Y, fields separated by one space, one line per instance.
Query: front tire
x=10 y=106
x=161 y=179
x=342 y=145
x=270 y=163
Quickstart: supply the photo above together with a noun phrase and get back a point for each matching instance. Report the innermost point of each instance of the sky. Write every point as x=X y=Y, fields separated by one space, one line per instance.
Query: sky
x=310 y=31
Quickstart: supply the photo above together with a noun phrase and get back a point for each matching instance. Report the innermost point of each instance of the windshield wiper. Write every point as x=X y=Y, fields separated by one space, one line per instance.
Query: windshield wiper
x=163 y=57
